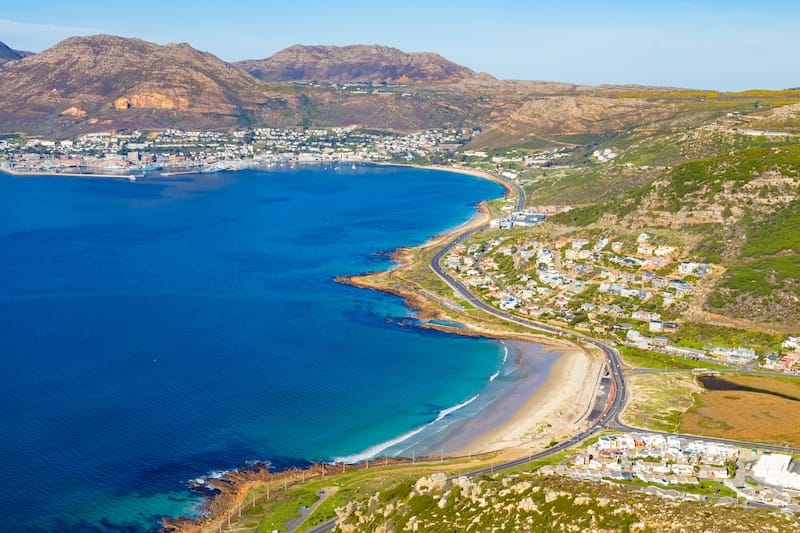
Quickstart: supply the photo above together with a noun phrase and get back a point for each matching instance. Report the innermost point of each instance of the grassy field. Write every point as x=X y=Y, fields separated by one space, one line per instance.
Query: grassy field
x=698 y=335
x=704 y=488
x=659 y=400
x=646 y=359
x=750 y=416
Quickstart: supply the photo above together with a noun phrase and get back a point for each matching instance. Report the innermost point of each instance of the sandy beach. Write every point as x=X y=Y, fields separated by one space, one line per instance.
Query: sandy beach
x=557 y=408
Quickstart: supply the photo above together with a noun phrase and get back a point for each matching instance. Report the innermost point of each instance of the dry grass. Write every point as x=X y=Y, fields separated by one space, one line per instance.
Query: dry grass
x=749 y=416
x=658 y=400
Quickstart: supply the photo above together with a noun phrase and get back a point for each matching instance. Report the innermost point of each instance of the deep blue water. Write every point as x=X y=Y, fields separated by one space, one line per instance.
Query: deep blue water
x=154 y=331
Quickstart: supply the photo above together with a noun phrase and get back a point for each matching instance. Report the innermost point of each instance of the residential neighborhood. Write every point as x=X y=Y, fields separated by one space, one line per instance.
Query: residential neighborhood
x=670 y=466
x=631 y=288
x=172 y=150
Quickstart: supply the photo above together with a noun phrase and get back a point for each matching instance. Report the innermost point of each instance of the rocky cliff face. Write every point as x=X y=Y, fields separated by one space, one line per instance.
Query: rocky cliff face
x=104 y=77
x=360 y=63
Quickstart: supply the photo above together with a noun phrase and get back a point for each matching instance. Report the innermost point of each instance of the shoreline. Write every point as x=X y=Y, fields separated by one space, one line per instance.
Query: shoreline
x=68 y=174
x=565 y=397
x=570 y=379
x=558 y=407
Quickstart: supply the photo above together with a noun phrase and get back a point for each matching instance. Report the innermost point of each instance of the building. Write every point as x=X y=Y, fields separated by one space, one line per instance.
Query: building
x=778 y=469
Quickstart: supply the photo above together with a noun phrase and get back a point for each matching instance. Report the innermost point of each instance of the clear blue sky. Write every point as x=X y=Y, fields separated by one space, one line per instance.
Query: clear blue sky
x=727 y=45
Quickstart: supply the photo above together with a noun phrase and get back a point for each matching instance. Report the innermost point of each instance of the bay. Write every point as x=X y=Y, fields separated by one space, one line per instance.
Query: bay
x=155 y=331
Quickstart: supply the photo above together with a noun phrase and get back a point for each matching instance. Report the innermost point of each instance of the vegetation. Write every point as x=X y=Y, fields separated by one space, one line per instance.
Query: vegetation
x=531 y=502
x=647 y=359
x=660 y=400
x=759 y=414
x=701 y=335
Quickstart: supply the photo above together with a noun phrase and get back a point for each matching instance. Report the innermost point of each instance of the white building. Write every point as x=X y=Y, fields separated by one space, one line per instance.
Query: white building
x=776 y=469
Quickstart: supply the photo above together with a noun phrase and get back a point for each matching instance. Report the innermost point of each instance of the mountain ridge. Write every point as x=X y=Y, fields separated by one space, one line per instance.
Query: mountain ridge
x=354 y=63
x=102 y=82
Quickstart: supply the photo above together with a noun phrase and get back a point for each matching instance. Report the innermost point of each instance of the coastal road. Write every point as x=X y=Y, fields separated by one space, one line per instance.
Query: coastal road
x=619 y=392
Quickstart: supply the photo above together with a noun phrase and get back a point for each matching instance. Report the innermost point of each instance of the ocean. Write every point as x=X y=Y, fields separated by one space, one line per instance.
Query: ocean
x=156 y=331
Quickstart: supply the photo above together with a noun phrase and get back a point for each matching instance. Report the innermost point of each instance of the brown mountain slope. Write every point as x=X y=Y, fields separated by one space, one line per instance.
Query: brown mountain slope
x=105 y=82
x=105 y=78
x=361 y=63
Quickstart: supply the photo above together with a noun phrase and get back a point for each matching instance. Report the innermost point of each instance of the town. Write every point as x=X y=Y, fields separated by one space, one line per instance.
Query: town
x=680 y=468
x=171 y=150
x=627 y=287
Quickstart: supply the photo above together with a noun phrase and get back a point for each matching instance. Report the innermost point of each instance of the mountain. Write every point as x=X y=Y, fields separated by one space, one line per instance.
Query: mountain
x=105 y=82
x=358 y=63
x=8 y=54
x=107 y=79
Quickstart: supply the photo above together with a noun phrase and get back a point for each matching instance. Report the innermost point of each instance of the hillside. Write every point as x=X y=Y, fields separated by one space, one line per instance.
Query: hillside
x=105 y=82
x=356 y=63
x=530 y=503
x=102 y=79
x=724 y=188
x=7 y=54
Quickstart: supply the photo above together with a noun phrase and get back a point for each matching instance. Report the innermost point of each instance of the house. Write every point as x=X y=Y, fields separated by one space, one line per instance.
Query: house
x=791 y=343
x=659 y=283
x=645 y=248
x=508 y=303
x=682 y=351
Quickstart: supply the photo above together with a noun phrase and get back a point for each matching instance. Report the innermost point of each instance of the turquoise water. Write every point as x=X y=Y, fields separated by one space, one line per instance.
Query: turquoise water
x=155 y=331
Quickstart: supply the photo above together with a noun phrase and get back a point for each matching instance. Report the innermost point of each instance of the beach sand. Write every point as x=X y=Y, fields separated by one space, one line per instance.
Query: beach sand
x=557 y=408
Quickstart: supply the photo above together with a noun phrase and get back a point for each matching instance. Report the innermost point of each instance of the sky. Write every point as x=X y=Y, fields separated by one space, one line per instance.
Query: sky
x=706 y=44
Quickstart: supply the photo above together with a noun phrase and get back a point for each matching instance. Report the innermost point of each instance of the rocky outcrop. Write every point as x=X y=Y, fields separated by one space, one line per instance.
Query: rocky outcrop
x=151 y=100
x=356 y=63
